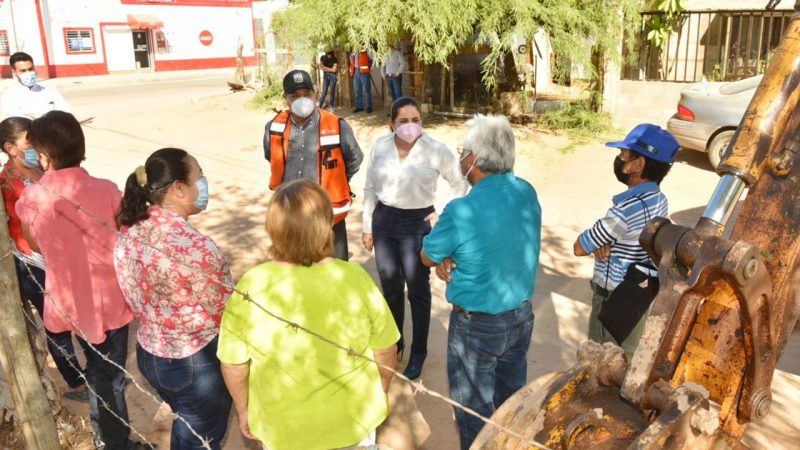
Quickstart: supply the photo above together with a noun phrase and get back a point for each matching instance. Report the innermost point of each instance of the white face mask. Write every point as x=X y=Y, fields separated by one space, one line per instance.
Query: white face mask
x=303 y=107
x=472 y=166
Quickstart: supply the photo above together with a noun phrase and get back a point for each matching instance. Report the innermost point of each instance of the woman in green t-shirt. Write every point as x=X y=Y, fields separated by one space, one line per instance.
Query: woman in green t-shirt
x=292 y=389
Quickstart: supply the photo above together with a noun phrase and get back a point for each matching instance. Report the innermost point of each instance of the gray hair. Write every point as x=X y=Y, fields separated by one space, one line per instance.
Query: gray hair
x=491 y=139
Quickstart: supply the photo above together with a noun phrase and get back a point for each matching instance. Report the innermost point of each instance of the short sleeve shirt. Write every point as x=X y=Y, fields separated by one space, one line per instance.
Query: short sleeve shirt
x=303 y=392
x=175 y=280
x=78 y=247
x=328 y=61
x=493 y=234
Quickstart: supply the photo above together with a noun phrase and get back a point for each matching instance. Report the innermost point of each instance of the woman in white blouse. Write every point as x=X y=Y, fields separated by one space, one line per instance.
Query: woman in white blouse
x=399 y=194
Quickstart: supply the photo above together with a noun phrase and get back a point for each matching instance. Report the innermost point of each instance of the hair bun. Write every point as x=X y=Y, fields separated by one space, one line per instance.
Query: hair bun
x=141 y=176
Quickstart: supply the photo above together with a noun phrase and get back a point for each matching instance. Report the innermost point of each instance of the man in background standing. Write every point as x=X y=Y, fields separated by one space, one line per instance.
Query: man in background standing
x=28 y=98
x=360 y=66
x=392 y=72
x=328 y=64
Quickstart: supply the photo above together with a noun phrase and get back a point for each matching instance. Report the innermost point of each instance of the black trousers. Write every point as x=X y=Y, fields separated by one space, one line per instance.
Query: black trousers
x=397 y=236
x=109 y=383
x=340 y=250
x=31 y=282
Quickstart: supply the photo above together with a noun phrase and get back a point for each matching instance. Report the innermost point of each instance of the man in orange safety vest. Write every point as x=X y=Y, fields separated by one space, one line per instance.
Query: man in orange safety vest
x=308 y=142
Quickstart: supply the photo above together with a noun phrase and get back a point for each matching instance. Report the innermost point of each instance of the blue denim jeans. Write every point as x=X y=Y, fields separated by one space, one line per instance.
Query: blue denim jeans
x=193 y=387
x=361 y=82
x=108 y=383
x=486 y=362
x=395 y=85
x=328 y=82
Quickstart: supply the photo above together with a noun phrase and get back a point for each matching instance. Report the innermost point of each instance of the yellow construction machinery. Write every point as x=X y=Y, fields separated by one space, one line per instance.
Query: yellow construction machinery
x=724 y=310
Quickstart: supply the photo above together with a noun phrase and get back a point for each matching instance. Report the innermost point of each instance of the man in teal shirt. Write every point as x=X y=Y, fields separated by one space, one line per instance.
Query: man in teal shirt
x=486 y=247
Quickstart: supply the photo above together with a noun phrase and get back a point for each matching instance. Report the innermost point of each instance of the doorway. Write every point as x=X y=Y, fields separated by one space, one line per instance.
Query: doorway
x=141 y=48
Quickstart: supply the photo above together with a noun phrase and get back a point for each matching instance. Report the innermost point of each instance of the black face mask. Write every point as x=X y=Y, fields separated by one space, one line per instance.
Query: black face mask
x=622 y=177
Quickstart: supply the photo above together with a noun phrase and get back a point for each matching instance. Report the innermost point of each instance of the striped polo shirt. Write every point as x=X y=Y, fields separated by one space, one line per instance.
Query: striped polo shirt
x=621 y=228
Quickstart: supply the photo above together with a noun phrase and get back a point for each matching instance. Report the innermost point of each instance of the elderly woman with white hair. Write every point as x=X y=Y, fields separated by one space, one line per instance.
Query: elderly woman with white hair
x=486 y=247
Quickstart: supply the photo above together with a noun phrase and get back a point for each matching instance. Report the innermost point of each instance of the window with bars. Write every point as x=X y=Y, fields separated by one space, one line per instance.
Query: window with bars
x=79 y=40
x=4 y=49
x=718 y=45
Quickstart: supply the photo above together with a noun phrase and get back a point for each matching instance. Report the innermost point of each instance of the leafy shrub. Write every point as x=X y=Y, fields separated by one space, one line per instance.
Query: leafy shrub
x=579 y=121
x=576 y=117
x=270 y=97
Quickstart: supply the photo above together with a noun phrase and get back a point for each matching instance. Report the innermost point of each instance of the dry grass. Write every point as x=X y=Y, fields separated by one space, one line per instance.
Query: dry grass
x=75 y=433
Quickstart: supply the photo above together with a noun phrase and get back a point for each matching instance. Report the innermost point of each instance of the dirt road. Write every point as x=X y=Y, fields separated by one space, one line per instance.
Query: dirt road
x=574 y=189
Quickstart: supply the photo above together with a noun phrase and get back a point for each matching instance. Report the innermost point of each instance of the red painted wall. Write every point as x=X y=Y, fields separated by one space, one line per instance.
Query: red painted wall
x=206 y=63
x=234 y=3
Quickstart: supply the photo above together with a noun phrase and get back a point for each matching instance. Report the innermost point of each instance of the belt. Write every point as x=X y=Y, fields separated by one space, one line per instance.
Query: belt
x=461 y=310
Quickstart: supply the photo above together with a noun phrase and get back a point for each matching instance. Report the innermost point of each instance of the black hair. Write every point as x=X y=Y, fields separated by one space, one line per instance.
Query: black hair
x=162 y=168
x=19 y=56
x=11 y=128
x=655 y=170
x=58 y=135
x=401 y=103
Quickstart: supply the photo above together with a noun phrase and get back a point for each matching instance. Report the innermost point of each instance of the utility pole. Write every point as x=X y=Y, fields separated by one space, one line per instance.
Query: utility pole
x=31 y=407
x=13 y=26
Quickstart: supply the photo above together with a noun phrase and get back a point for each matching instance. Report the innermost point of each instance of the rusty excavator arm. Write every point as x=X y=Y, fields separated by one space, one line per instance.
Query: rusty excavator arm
x=723 y=314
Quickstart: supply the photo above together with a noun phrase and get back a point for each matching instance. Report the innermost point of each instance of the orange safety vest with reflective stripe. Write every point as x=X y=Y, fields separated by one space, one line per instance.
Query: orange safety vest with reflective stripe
x=363 y=63
x=331 y=169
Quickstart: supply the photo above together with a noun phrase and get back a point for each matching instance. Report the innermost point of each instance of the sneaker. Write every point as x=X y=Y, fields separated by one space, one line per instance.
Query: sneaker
x=358 y=110
x=369 y=110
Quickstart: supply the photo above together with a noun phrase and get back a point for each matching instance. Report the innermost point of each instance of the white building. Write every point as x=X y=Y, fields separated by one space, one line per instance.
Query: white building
x=96 y=37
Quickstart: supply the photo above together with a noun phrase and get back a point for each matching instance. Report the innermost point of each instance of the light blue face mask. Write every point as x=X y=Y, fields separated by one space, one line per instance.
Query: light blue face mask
x=202 y=200
x=31 y=158
x=28 y=78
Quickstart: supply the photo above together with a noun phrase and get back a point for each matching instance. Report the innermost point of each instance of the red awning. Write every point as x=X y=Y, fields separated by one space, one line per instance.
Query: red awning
x=144 y=22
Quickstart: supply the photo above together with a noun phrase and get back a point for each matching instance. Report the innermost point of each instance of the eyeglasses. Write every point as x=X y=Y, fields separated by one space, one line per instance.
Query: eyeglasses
x=629 y=159
x=462 y=152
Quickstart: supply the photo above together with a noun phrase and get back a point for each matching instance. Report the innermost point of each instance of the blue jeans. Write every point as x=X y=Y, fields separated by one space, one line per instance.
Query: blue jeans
x=395 y=85
x=361 y=82
x=31 y=282
x=193 y=387
x=486 y=362
x=398 y=237
x=108 y=383
x=328 y=81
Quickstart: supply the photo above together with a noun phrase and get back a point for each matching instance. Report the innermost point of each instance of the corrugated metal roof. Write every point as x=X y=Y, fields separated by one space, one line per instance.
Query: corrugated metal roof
x=703 y=5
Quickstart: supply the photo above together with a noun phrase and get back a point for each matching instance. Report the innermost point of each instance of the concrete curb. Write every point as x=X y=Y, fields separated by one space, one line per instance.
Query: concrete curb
x=128 y=78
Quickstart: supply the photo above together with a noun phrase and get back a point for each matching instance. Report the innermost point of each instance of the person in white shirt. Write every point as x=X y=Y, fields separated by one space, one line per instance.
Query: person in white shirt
x=29 y=98
x=392 y=72
x=399 y=194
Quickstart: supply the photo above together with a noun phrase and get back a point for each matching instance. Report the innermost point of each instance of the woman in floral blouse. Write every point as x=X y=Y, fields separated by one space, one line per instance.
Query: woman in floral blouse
x=176 y=281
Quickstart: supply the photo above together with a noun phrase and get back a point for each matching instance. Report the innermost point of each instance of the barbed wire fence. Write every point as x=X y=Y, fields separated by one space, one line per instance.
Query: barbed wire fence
x=417 y=386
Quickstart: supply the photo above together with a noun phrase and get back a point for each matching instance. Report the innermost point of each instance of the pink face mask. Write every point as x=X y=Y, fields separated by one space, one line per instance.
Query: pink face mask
x=408 y=132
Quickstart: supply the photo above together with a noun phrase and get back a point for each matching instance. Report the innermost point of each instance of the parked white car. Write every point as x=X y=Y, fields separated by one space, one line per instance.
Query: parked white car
x=709 y=113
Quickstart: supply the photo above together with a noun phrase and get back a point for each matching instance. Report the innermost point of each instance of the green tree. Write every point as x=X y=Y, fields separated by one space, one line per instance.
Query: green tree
x=659 y=27
x=578 y=29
